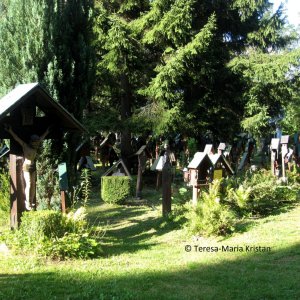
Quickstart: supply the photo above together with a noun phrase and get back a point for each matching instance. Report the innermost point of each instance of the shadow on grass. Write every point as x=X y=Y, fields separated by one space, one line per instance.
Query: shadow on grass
x=126 y=231
x=272 y=275
x=136 y=236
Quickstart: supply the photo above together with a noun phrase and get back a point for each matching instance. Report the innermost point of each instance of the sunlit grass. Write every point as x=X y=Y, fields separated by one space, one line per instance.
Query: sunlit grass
x=145 y=258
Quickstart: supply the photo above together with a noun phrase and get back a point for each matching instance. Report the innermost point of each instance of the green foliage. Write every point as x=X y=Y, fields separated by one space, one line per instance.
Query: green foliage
x=55 y=235
x=80 y=193
x=21 y=56
x=4 y=197
x=86 y=185
x=192 y=147
x=48 y=196
x=115 y=189
x=175 y=25
x=167 y=65
x=239 y=196
x=172 y=73
x=211 y=217
x=4 y=192
x=72 y=245
x=182 y=196
x=271 y=86
x=260 y=192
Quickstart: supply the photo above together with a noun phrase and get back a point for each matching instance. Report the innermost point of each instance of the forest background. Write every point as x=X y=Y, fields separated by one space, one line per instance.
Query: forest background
x=159 y=67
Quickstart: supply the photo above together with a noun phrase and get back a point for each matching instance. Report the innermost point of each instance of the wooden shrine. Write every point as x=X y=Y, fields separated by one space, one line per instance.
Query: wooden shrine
x=118 y=169
x=199 y=169
x=221 y=167
x=29 y=109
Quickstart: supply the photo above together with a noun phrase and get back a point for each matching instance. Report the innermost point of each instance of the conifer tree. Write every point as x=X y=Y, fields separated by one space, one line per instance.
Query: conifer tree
x=49 y=41
x=176 y=57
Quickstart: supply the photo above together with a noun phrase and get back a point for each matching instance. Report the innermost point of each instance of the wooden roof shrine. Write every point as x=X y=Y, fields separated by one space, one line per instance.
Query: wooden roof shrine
x=29 y=108
x=199 y=159
x=115 y=169
x=219 y=161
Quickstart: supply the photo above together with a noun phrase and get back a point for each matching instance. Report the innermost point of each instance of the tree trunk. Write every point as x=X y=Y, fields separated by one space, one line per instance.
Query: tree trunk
x=126 y=101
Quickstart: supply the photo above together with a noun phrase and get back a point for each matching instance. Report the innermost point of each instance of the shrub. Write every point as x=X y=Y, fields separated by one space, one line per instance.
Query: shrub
x=4 y=197
x=48 y=195
x=261 y=192
x=211 y=217
x=4 y=192
x=115 y=189
x=55 y=235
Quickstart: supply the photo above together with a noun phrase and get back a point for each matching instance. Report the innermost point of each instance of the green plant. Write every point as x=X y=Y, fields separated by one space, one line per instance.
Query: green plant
x=181 y=195
x=48 y=196
x=192 y=147
x=4 y=192
x=86 y=185
x=267 y=192
x=240 y=196
x=115 y=189
x=211 y=217
x=55 y=235
x=72 y=245
x=260 y=192
x=4 y=197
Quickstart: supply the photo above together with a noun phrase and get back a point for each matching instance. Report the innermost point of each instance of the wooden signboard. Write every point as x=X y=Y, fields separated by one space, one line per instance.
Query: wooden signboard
x=218 y=174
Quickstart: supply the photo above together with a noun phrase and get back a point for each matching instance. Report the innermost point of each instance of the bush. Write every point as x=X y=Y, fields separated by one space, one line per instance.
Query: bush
x=211 y=217
x=55 y=235
x=115 y=189
x=261 y=192
x=4 y=192
x=4 y=197
x=48 y=192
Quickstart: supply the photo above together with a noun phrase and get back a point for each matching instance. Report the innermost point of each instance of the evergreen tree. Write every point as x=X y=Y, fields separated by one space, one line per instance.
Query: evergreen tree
x=173 y=60
x=50 y=41
x=121 y=69
x=22 y=42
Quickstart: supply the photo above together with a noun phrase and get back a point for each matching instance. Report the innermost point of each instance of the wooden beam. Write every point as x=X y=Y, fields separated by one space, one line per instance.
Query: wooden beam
x=17 y=196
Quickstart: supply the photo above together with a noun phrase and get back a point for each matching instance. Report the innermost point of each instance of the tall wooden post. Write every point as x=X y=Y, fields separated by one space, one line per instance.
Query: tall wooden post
x=166 y=185
x=274 y=156
x=196 y=192
x=17 y=196
x=284 y=150
x=63 y=184
x=141 y=168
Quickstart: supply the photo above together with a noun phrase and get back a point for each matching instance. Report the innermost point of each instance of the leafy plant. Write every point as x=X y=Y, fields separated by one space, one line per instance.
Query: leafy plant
x=4 y=192
x=260 y=192
x=55 y=235
x=86 y=185
x=211 y=217
x=4 y=197
x=239 y=196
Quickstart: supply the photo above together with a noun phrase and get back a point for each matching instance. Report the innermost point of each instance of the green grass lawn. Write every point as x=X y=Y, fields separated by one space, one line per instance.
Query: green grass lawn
x=145 y=258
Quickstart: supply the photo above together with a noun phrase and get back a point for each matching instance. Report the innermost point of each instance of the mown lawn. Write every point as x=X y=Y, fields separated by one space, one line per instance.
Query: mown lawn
x=145 y=258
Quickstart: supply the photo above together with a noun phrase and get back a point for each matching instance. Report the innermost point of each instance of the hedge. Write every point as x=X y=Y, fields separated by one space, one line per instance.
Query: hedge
x=115 y=189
